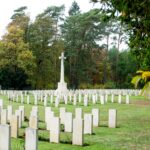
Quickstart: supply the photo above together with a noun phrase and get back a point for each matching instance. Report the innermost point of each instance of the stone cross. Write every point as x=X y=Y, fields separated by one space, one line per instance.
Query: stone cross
x=62 y=67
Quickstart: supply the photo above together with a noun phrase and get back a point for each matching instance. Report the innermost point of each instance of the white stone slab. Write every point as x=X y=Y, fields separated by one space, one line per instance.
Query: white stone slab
x=19 y=114
x=88 y=124
x=78 y=113
x=5 y=142
x=9 y=112
x=62 y=111
x=14 y=123
x=112 y=98
x=47 y=112
x=119 y=98
x=33 y=122
x=95 y=113
x=1 y=103
x=127 y=99
x=31 y=139
x=49 y=121
x=112 y=120
x=21 y=108
x=77 y=135
x=4 y=116
x=68 y=122
x=55 y=131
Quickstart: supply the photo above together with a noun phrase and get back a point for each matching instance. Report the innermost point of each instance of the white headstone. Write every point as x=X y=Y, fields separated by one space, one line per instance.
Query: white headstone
x=75 y=100
x=19 y=114
x=112 y=121
x=119 y=98
x=95 y=113
x=14 y=123
x=127 y=99
x=112 y=98
x=49 y=121
x=33 y=122
x=77 y=135
x=5 y=142
x=68 y=122
x=21 y=108
x=4 y=116
x=78 y=112
x=28 y=99
x=102 y=99
x=88 y=123
x=55 y=130
x=31 y=139
x=47 y=112
x=9 y=112
x=1 y=103
x=62 y=112
x=85 y=100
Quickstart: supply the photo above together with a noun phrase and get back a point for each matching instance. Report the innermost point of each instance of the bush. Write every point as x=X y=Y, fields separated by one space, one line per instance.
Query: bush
x=110 y=85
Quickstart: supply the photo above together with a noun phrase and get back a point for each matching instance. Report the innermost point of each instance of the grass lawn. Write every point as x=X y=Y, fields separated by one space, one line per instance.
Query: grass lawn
x=132 y=133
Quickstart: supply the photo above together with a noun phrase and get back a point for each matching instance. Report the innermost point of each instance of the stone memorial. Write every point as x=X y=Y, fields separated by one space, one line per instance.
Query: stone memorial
x=14 y=123
x=95 y=113
x=68 y=122
x=77 y=135
x=62 y=85
x=5 y=142
x=78 y=113
x=31 y=139
x=88 y=124
x=55 y=131
x=112 y=120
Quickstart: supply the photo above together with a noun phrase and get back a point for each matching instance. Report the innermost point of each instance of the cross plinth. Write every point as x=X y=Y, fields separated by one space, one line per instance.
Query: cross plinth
x=62 y=67
x=62 y=85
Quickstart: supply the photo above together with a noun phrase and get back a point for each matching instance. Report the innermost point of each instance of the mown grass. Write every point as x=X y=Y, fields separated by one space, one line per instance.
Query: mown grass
x=132 y=132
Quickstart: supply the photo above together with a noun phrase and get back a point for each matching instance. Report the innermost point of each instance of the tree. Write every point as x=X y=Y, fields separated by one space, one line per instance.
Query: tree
x=56 y=14
x=15 y=56
x=75 y=9
x=21 y=19
x=136 y=15
x=122 y=69
x=81 y=33
x=46 y=46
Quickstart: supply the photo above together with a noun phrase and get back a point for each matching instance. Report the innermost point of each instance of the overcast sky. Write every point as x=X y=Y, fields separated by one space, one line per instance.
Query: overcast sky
x=35 y=7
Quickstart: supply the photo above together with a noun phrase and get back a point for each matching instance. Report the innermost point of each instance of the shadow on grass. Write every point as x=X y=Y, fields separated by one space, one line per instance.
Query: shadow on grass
x=41 y=128
x=103 y=125
x=66 y=142
x=21 y=136
x=44 y=139
x=26 y=119
x=86 y=144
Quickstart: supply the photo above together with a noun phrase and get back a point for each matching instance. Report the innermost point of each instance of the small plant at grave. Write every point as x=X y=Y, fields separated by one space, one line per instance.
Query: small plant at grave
x=144 y=78
x=62 y=127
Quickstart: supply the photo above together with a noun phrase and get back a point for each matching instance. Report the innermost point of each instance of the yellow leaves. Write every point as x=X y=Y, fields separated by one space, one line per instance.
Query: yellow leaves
x=26 y=61
x=25 y=55
x=136 y=80
x=10 y=46
x=145 y=75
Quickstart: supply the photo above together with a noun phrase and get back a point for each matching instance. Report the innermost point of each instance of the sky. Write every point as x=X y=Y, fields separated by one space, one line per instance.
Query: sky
x=36 y=7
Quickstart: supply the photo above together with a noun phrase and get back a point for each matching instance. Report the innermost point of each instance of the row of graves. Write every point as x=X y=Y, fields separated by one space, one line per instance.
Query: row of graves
x=79 y=97
x=77 y=125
